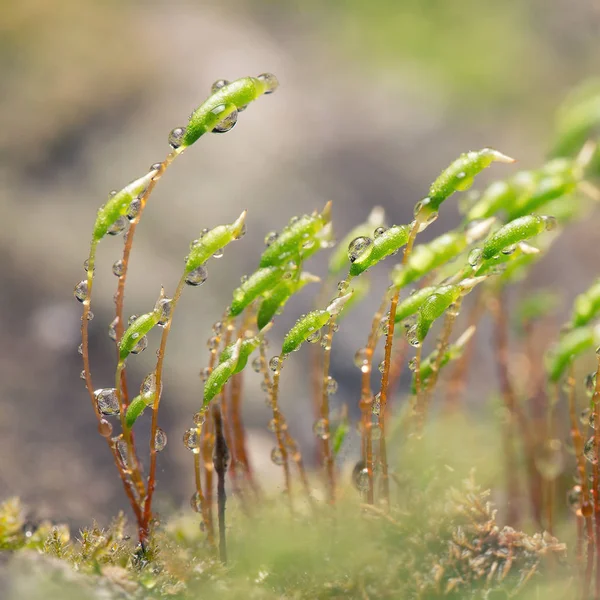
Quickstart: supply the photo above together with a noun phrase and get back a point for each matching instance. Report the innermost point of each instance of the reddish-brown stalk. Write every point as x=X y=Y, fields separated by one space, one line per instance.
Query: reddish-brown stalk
x=586 y=508
x=328 y=458
x=595 y=471
x=208 y=442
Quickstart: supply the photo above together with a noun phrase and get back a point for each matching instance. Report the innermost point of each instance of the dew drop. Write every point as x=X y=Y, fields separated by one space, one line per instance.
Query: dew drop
x=381 y=366
x=105 y=428
x=134 y=209
x=82 y=375
x=272 y=426
x=550 y=460
x=118 y=268
x=584 y=416
x=411 y=336
x=80 y=348
x=277 y=457
x=199 y=417
x=376 y=405
x=226 y=124
x=148 y=387
x=321 y=429
x=270 y=80
x=212 y=343
x=270 y=238
x=508 y=250
x=176 y=137
x=107 y=401
x=275 y=363
x=89 y=316
x=118 y=226
x=331 y=386
x=217 y=328
x=164 y=307
x=475 y=257
x=86 y=265
x=265 y=386
x=590 y=384
x=412 y=364
x=360 y=476
x=218 y=253
x=196 y=503
x=204 y=374
x=81 y=291
x=217 y=85
x=191 y=440
x=112 y=329
x=574 y=499
x=343 y=285
x=257 y=364
x=550 y=223
x=314 y=337
x=358 y=246
x=589 y=451
x=140 y=346
x=361 y=360
x=379 y=231
x=197 y=276
x=160 y=440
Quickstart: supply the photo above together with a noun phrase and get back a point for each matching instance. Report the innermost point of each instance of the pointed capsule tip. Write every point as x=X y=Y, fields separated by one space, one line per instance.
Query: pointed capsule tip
x=326 y=213
x=376 y=217
x=500 y=157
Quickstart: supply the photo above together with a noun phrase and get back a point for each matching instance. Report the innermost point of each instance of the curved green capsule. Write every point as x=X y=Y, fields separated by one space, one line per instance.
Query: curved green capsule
x=135 y=409
x=586 y=306
x=514 y=232
x=338 y=261
x=388 y=242
x=434 y=307
x=221 y=374
x=458 y=176
x=296 y=234
x=303 y=328
x=411 y=305
x=118 y=205
x=225 y=101
x=247 y=347
x=212 y=241
x=276 y=299
x=571 y=344
x=339 y=436
x=494 y=198
x=256 y=285
x=136 y=331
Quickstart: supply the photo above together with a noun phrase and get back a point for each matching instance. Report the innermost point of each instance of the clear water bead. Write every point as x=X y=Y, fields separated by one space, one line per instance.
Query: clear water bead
x=226 y=124
x=361 y=360
x=107 y=401
x=118 y=268
x=270 y=238
x=475 y=257
x=379 y=231
x=89 y=316
x=112 y=329
x=381 y=366
x=331 y=386
x=321 y=429
x=105 y=428
x=509 y=249
x=199 y=417
x=140 y=346
x=80 y=349
x=148 y=386
x=191 y=440
x=118 y=226
x=550 y=460
x=277 y=457
x=219 y=253
x=212 y=343
x=550 y=223
x=86 y=265
x=164 y=307
x=82 y=375
x=134 y=209
x=574 y=499
x=196 y=502
x=343 y=285
x=81 y=291
x=314 y=337
x=589 y=451
x=257 y=364
x=176 y=137
x=376 y=405
x=358 y=246
x=204 y=374
x=160 y=440
x=360 y=476
x=197 y=276
x=270 y=80
x=218 y=84
x=275 y=363
x=590 y=384
x=411 y=336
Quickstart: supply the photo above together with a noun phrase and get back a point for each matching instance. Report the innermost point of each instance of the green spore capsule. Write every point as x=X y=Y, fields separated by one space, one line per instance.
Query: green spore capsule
x=427 y=257
x=298 y=233
x=117 y=206
x=411 y=305
x=226 y=101
x=508 y=236
x=144 y=399
x=221 y=374
x=572 y=344
x=339 y=257
x=136 y=332
x=494 y=198
x=386 y=243
x=276 y=299
x=211 y=243
x=586 y=306
x=247 y=347
x=458 y=176
x=310 y=323
x=339 y=436
x=256 y=285
x=453 y=352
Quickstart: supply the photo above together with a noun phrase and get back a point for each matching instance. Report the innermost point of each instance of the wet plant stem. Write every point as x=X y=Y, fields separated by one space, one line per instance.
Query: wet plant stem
x=221 y=458
x=328 y=458
x=596 y=472
x=586 y=507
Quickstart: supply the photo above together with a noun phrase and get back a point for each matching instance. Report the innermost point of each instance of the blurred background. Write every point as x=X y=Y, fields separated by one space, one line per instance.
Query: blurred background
x=375 y=99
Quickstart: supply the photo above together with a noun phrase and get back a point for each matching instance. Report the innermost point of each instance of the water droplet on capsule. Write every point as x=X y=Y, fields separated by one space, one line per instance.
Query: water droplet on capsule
x=160 y=440
x=199 y=417
x=164 y=307
x=275 y=363
x=176 y=137
x=550 y=223
x=475 y=257
x=212 y=343
x=81 y=291
x=379 y=231
x=86 y=265
x=411 y=336
x=191 y=440
x=118 y=268
x=226 y=124
x=217 y=85
x=270 y=80
x=204 y=374
x=584 y=416
x=508 y=250
x=343 y=285
x=358 y=246
x=314 y=337
x=107 y=401
x=134 y=209
x=141 y=345
x=197 y=276
x=321 y=429
x=277 y=457
x=332 y=386
x=218 y=253
x=118 y=226
x=270 y=238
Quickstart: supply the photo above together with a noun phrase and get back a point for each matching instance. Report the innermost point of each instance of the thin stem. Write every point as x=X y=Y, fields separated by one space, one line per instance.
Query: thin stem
x=586 y=508
x=595 y=471
x=208 y=442
x=328 y=458
x=221 y=458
